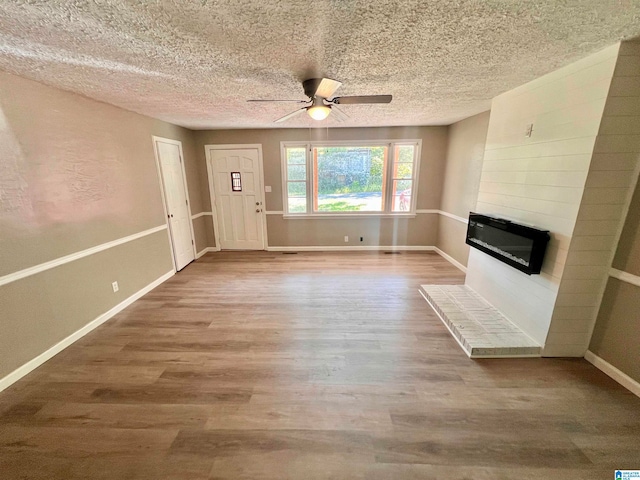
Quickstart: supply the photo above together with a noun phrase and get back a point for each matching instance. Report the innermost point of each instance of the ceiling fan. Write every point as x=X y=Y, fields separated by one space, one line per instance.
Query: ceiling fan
x=319 y=105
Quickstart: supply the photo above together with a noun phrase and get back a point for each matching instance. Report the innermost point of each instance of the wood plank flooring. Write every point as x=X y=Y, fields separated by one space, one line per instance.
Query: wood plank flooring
x=257 y=365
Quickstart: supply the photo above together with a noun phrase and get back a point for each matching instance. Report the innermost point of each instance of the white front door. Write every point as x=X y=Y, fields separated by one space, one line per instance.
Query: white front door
x=169 y=154
x=237 y=196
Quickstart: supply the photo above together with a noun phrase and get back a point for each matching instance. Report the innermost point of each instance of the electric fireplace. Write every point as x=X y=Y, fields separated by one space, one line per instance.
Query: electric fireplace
x=519 y=246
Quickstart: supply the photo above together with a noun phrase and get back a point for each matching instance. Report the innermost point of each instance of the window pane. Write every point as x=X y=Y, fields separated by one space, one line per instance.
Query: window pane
x=297 y=205
x=404 y=153
x=297 y=172
x=401 y=185
x=403 y=170
x=296 y=156
x=401 y=195
x=349 y=179
x=297 y=197
x=297 y=189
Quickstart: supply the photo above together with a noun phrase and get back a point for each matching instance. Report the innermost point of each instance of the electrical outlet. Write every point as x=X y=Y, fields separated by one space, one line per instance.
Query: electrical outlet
x=115 y=287
x=346 y=238
x=361 y=239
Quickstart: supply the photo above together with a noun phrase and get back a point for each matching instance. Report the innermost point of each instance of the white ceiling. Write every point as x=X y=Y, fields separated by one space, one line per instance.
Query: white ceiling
x=195 y=63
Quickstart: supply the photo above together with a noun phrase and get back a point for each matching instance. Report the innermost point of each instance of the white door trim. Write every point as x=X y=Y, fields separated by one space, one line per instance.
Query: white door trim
x=212 y=196
x=178 y=143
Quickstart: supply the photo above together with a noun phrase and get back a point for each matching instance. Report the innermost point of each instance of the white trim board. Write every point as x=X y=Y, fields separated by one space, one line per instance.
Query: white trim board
x=12 y=277
x=619 y=376
x=31 y=365
x=625 y=277
x=351 y=216
x=455 y=217
x=354 y=248
x=419 y=211
x=450 y=259
x=206 y=250
x=201 y=214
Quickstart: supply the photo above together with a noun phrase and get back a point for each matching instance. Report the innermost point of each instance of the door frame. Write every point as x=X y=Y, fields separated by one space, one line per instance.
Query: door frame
x=155 y=139
x=212 y=195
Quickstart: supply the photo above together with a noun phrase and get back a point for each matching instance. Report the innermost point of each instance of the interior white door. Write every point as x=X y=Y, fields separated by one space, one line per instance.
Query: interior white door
x=237 y=194
x=175 y=195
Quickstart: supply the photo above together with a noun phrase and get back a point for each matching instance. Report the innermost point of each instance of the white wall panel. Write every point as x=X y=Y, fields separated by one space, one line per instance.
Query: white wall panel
x=611 y=180
x=540 y=180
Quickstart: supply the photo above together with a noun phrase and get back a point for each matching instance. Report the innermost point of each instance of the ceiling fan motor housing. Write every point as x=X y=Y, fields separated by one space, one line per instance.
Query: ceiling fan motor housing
x=311 y=86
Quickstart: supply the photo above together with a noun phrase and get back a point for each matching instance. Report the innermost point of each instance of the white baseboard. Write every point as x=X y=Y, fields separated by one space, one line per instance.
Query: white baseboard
x=450 y=259
x=206 y=250
x=619 y=376
x=31 y=365
x=354 y=248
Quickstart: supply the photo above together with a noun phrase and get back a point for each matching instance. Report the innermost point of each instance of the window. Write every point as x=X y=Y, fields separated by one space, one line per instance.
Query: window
x=349 y=178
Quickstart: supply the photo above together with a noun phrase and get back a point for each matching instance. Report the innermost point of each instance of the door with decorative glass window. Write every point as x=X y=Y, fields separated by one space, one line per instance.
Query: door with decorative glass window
x=236 y=195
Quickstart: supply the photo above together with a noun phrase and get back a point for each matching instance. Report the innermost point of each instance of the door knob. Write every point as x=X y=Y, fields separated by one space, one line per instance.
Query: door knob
x=258 y=210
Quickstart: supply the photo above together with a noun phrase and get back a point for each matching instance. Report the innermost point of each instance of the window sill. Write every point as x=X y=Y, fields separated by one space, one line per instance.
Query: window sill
x=306 y=216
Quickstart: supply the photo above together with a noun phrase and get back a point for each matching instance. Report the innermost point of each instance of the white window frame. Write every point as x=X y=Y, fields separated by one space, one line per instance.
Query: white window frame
x=388 y=201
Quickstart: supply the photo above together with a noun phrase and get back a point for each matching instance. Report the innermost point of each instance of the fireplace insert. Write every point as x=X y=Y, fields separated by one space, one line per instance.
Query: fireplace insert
x=519 y=246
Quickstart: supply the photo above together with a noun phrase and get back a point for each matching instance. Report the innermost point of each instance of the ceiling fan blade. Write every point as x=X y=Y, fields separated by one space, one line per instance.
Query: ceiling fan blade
x=292 y=114
x=297 y=101
x=362 y=99
x=338 y=114
x=327 y=87
x=321 y=87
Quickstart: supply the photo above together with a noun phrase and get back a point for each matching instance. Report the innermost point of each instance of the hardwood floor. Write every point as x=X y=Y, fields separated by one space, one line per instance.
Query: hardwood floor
x=309 y=366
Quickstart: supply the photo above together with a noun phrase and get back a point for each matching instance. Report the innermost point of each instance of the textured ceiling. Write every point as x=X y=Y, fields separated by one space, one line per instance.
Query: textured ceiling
x=195 y=63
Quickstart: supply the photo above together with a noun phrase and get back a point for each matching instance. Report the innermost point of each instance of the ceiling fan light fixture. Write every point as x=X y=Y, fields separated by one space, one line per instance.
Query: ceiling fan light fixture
x=318 y=107
x=319 y=112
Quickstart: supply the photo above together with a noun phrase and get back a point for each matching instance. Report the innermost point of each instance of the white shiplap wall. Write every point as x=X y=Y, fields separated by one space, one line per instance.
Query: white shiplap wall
x=610 y=183
x=540 y=180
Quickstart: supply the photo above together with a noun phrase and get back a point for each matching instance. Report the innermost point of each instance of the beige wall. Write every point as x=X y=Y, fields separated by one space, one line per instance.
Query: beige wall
x=330 y=232
x=465 y=151
x=451 y=238
x=196 y=173
x=615 y=338
x=203 y=232
x=627 y=258
x=40 y=310
x=617 y=328
x=418 y=231
x=75 y=174
x=540 y=180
